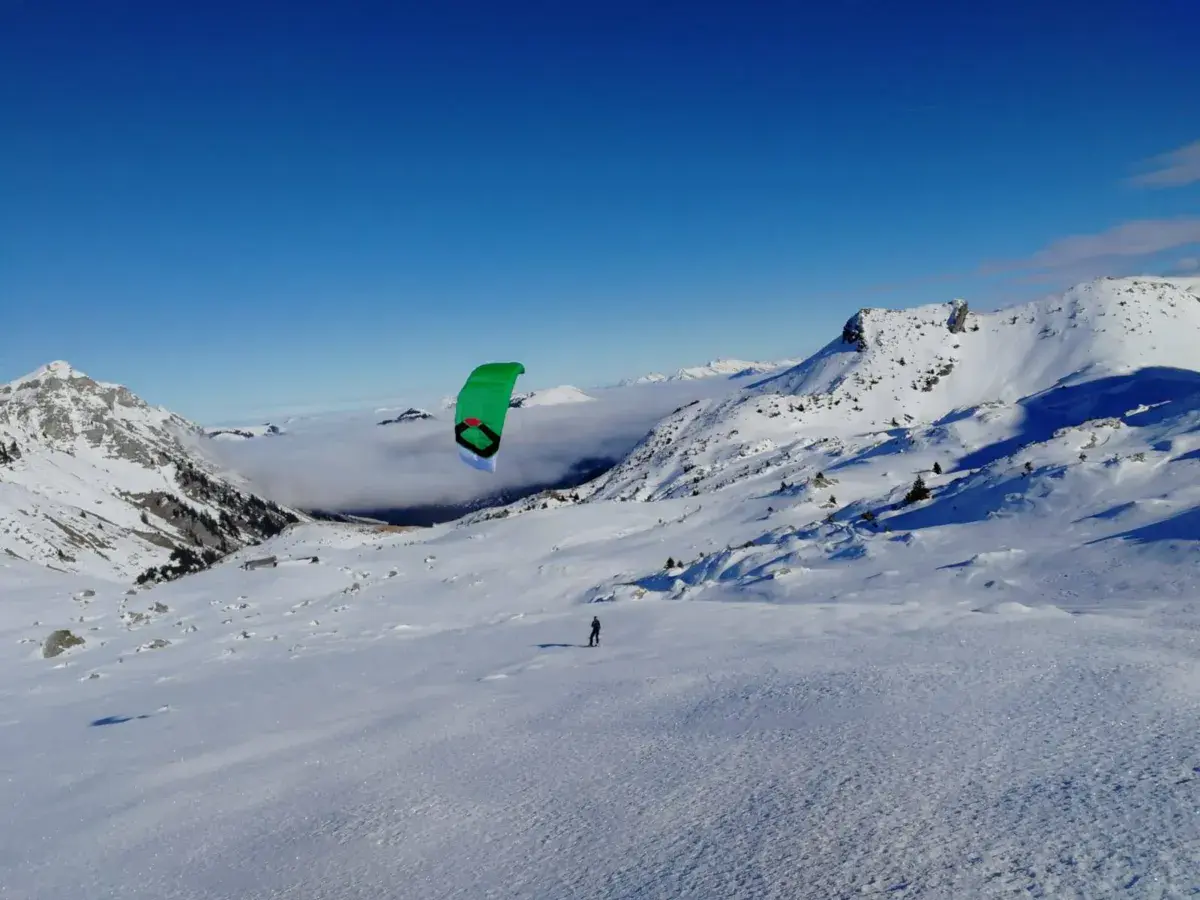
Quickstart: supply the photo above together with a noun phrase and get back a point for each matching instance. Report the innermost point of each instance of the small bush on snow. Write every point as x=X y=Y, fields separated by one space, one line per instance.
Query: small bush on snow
x=917 y=492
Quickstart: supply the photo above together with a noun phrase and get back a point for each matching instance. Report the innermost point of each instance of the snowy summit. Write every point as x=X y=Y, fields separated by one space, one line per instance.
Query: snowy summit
x=60 y=370
x=555 y=396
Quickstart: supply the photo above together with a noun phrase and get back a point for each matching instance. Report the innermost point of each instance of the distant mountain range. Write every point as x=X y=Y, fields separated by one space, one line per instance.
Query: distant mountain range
x=717 y=368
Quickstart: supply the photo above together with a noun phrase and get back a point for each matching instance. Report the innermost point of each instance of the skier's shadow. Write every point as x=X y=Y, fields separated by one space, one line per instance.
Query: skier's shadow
x=556 y=646
x=116 y=720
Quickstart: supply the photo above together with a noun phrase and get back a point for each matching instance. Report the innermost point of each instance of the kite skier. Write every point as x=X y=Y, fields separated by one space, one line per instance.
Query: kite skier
x=594 y=637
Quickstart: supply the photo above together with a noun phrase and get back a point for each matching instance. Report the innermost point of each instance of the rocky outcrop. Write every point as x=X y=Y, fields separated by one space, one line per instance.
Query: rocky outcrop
x=59 y=642
x=855 y=331
x=9 y=453
x=958 y=318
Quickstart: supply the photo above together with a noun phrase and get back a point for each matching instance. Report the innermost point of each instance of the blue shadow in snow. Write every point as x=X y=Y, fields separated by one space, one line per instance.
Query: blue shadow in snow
x=1193 y=455
x=956 y=415
x=115 y=720
x=973 y=499
x=965 y=564
x=1103 y=398
x=1182 y=527
x=1113 y=512
x=897 y=442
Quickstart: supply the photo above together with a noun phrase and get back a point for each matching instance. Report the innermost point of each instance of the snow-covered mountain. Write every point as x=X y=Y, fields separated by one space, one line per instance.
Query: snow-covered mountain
x=555 y=396
x=95 y=480
x=727 y=368
x=244 y=432
x=895 y=377
x=412 y=414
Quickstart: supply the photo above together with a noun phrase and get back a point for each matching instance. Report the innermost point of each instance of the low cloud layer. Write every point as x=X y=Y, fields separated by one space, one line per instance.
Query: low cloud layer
x=351 y=463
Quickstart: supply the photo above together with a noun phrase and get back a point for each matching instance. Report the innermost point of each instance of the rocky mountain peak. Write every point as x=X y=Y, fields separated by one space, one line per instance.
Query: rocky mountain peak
x=93 y=478
x=60 y=407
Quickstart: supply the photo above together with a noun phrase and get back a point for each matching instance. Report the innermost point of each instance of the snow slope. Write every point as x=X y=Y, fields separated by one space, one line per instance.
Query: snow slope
x=827 y=712
x=94 y=480
x=990 y=692
x=898 y=376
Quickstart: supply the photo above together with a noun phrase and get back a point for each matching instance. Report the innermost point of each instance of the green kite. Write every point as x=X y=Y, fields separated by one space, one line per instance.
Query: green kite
x=480 y=412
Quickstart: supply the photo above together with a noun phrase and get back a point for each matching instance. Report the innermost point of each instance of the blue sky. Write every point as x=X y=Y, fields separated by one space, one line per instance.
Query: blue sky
x=238 y=208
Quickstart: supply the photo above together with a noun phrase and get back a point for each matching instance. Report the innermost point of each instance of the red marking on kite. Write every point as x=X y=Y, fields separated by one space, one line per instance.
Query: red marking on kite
x=473 y=422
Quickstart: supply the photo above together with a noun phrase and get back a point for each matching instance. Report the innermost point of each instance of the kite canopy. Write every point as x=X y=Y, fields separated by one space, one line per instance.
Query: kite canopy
x=480 y=412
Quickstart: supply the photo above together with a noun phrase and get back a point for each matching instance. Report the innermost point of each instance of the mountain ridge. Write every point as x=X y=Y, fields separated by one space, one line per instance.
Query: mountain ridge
x=720 y=367
x=894 y=378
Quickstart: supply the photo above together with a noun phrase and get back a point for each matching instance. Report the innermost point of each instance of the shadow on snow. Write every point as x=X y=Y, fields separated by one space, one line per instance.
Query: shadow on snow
x=1182 y=527
x=976 y=498
x=116 y=720
x=1103 y=398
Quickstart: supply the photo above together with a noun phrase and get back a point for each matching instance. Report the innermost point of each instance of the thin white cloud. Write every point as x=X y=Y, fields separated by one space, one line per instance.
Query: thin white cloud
x=350 y=463
x=1141 y=237
x=1174 y=169
x=1188 y=264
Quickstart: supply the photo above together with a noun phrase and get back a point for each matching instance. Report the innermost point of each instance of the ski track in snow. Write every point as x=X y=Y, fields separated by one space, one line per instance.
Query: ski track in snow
x=991 y=693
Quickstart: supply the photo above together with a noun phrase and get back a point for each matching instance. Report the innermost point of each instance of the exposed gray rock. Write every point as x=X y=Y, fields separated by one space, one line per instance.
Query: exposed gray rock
x=958 y=318
x=854 y=331
x=59 y=642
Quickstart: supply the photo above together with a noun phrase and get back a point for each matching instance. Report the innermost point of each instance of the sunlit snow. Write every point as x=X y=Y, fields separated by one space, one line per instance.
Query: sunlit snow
x=832 y=691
